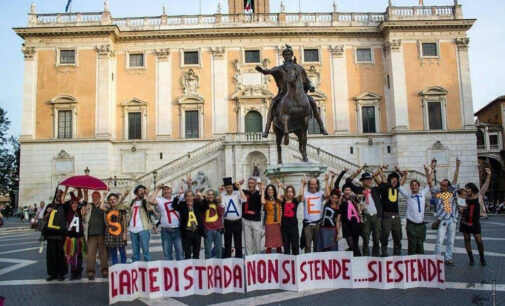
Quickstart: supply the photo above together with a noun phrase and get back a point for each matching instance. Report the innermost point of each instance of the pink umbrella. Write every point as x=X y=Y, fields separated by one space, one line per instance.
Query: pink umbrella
x=85 y=181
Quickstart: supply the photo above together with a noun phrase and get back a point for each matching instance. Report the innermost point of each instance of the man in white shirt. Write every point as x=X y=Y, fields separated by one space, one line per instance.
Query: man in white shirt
x=232 y=201
x=169 y=219
x=416 y=202
x=313 y=199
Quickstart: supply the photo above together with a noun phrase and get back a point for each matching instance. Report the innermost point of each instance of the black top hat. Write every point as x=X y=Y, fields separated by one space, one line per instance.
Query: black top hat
x=365 y=176
x=393 y=175
x=137 y=188
x=227 y=181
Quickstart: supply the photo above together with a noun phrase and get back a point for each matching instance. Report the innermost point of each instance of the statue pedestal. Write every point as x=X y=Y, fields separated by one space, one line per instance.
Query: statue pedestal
x=292 y=174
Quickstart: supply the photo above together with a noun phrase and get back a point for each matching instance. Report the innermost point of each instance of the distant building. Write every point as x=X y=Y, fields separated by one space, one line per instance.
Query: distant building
x=490 y=125
x=176 y=94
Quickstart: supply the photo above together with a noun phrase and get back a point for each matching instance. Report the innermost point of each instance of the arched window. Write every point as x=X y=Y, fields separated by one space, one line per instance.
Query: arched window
x=253 y=122
x=480 y=140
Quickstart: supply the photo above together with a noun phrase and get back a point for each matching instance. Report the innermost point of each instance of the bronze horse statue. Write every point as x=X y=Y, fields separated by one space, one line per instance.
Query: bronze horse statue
x=293 y=112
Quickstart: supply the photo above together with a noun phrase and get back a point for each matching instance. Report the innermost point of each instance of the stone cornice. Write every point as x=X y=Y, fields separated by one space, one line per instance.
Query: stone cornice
x=113 y=30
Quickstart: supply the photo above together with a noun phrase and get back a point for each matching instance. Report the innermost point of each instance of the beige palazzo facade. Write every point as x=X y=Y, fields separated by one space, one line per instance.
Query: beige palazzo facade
x=139 y=99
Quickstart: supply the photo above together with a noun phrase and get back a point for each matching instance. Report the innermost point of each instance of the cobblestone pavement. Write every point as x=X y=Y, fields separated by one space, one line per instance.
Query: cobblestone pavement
x=23 y=273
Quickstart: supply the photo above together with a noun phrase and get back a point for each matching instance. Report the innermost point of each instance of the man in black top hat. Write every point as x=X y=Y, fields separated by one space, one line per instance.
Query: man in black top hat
x=391 y=222
x=372 y=213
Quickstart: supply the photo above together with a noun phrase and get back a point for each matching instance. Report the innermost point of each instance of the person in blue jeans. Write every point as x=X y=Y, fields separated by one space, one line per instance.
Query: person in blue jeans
x=169 y=220
x=140 y=224
x=116 y=225
x=447 y=213
x=213 y=225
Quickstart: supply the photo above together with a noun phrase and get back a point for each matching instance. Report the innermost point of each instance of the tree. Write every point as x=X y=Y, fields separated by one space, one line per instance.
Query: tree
x=9 y=159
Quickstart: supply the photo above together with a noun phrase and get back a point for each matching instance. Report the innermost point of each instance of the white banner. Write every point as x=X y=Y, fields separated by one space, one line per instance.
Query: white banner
x=273 y=271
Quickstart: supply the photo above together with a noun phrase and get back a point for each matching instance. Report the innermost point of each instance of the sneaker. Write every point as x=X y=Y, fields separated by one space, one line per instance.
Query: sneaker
x=449 y=262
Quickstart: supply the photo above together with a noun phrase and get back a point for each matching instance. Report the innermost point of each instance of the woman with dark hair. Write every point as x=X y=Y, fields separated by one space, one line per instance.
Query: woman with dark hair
x=470 y=223
x=329 y=232
x=272 y=205
x=116 y=227
x=191 y=210
x=289 y=220
x=351 y=220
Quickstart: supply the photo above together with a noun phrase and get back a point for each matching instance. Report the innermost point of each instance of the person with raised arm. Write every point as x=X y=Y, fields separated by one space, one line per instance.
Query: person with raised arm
x=313 y=199
x=372 y=212
x=213 y=211
x=94 y=231
x=170 y=222
x=289 y=221
x=232 y=201
x=272 y=206
x=351 y=220
x=191 y=210
x=251 y=218
x=447 y=213
x=329 y=233
x=416 y=205
x=75 y=244
x=139 y=224
x=390 y=222
x=116 y=237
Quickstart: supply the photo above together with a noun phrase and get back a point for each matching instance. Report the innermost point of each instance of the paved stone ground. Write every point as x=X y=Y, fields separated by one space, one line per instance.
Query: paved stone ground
x=23 y=273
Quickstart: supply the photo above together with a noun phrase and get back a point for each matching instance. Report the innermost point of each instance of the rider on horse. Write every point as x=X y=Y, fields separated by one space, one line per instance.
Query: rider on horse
x=279 y=74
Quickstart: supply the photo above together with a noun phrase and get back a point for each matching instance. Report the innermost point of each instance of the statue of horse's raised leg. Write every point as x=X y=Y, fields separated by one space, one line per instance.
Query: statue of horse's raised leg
x=285 y=120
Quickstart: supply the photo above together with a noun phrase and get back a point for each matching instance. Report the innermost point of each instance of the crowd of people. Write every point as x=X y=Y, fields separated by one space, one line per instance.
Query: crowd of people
x=77 y=229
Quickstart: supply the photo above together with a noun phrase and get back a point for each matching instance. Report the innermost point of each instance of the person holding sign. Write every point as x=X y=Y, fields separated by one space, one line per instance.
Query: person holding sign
x=191 y=211
x=272 y=205
x=115 y=233
x=351 y=221
x=170 y=222
x=313 y=205
x=213 y=225
x=75 y=245
x=251 y=218
x=416 y=202
x=139 y=224
x=289 y=220
x=232 y=202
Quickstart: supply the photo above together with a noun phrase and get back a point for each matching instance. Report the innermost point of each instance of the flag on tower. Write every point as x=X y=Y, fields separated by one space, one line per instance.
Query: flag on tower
x=249 y=6
x=68 y=6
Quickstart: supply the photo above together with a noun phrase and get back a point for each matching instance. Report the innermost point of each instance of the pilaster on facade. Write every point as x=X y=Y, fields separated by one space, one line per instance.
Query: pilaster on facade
x=105 y=93
x=398 y=103
x=219 y=87
x=29 y=93
x=163 y=94
x=340 y=89
x=465 y=83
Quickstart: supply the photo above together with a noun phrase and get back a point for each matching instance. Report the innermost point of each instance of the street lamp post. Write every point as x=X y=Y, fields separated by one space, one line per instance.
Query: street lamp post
x=86 y=171
x=434 y=162
x=155 y=174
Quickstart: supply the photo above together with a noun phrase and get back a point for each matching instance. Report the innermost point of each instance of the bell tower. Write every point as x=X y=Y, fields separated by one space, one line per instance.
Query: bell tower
x=257 y=6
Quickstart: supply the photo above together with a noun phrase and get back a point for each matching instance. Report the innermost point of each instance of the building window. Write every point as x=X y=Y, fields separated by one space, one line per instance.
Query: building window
x=134 y=125
x=64 y=124
x=191 y=58
x=136 y=60
x=493 y=141
x=313 y=126
x=368 y=119
x=252 y=56
x=67 y=56
x=311 y=55
x=253 y=122
x=429 y=49
x=480 y=140
x=191 y=122
x=435 y=115
x=364 y=55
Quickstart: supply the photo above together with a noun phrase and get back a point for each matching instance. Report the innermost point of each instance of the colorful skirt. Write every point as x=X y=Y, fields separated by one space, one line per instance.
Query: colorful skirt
x=273 y=237
x=74 y=246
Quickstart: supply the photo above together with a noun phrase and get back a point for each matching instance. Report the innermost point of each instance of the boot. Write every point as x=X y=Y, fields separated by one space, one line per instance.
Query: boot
x=78 y=273
x=73 y=274
x=482 y=261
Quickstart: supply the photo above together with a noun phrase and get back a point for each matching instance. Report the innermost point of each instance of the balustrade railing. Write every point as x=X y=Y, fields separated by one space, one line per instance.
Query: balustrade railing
x=273 y=19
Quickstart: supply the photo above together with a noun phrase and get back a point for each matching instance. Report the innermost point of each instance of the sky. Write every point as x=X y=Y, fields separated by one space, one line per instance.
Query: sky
x=487 y=37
